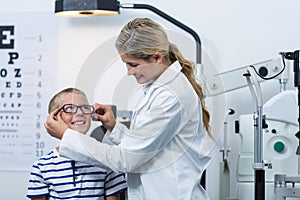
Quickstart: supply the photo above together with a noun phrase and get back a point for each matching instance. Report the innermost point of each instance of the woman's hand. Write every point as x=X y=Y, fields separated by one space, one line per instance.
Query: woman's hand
x=105 y=114
x=55 y=125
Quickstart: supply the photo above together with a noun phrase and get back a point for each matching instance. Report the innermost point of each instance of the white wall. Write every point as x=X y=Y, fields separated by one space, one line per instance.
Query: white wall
x=233 y=33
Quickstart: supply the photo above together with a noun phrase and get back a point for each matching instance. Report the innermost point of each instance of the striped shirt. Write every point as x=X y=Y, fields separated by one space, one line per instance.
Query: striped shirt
x=62 y=178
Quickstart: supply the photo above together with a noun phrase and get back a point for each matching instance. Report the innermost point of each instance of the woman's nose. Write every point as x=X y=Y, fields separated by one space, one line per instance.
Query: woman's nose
x=130 y=70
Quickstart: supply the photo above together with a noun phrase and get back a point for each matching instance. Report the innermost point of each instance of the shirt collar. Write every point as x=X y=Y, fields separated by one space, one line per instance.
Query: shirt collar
x=168 y=75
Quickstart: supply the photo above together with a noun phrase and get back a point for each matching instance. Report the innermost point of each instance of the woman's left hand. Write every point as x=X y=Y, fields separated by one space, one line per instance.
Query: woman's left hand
x=105 y=114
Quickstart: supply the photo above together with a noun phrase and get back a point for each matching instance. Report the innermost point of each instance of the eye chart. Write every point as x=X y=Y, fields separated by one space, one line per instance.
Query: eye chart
x=27 y=82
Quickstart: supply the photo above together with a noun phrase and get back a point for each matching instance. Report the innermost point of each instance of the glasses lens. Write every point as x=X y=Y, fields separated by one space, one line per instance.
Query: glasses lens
x=87 y=109
x=70 y=108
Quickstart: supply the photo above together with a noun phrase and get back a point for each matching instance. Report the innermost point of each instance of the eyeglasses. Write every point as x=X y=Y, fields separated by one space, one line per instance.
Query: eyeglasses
x=71 y=108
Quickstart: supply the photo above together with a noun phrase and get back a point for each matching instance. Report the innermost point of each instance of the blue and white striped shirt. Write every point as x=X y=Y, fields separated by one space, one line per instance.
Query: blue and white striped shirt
x=62 y=178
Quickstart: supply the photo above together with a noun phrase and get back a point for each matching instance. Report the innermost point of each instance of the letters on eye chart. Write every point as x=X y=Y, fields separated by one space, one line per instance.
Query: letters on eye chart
x=27 y=74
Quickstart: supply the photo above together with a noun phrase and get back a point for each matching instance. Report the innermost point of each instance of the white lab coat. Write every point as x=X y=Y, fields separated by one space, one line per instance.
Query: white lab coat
x=162 y=151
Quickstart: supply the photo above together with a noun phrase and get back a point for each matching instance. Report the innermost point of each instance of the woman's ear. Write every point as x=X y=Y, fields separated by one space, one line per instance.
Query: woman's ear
x=158 y=57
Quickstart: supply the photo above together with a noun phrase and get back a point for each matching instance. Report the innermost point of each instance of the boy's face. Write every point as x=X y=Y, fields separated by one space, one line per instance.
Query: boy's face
x=79 y=121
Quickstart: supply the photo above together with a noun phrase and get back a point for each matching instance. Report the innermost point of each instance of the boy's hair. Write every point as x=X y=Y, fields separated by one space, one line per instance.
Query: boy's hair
x=54 y=102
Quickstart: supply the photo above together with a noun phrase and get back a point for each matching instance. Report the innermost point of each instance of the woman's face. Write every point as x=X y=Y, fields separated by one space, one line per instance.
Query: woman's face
x=78 y=121
x=144 y=71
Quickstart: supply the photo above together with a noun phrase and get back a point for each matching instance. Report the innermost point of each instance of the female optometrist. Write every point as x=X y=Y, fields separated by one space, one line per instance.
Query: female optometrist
x=161 y=151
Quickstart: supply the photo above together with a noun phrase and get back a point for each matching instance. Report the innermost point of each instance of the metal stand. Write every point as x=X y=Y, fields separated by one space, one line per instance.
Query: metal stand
x=297 y=84
x=259 y=184
x=258 y=165
x=225 y=164
x=284 y=186
x=295 y=57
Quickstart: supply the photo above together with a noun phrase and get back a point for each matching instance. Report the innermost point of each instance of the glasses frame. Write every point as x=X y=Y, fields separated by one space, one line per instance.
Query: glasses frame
x=81 y=106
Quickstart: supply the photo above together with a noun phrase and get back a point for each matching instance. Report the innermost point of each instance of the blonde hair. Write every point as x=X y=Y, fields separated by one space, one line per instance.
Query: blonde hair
x=55 y=100
x=142 y=37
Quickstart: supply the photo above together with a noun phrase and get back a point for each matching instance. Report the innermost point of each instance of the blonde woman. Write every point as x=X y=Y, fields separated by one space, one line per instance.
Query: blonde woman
x=161 y=151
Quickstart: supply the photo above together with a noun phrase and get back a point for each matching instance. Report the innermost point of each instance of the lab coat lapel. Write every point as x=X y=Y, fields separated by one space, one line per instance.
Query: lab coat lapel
x=166 y=77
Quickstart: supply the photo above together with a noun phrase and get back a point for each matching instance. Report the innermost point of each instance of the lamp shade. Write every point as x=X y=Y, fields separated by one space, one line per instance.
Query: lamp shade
x=85 y=8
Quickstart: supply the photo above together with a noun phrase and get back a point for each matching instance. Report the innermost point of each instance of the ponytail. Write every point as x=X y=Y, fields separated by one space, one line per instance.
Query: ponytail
x=188 y=71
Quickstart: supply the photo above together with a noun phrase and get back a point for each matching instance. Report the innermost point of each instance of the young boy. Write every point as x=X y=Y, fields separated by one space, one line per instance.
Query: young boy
x=55 y=177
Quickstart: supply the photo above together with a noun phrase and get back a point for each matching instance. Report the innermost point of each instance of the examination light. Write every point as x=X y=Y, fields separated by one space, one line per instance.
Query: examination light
x=86 y=8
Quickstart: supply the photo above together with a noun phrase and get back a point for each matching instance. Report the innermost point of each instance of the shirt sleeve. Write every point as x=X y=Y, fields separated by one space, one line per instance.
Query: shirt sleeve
x=154 y=129
x=114 y=183
x=116 y=137
x=37 y=186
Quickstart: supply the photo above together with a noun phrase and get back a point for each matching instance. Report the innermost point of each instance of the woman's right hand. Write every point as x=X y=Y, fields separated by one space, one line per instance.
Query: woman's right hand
x=55 y=125
x=104 y=113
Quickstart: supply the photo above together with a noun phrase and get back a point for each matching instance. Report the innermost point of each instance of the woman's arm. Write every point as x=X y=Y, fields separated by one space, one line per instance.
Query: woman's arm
x=114 y=197
x=40 y=198
x=154 y=129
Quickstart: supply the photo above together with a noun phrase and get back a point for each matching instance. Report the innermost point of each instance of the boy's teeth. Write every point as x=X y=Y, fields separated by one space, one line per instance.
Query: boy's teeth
x=78 y=123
